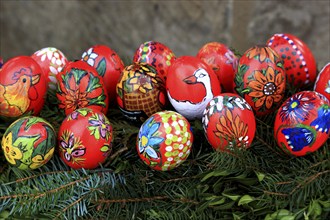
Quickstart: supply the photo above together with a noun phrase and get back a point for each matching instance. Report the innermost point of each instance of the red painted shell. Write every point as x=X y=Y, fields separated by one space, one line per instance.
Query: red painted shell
x=322 y=83
x=164 y=140
x=85 y=139
x=140 y=92
x=302 y=123
x=223 y=62
x=79 y=86
x=108 y=65
x=52 y=61
x=23 y=88
x=190 y=85
x=299 y=62
x=260 y=79
x=229 y=122
x=157 y=55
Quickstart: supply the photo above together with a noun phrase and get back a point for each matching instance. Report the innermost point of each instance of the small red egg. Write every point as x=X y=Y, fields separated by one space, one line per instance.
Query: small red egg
x=322 y=83
x=108 y=65
x=51 y=60
x=299 y=62
x=223 y=62
x=79 y=86
x=164 y=140
x=140 y=92
x=302 y=123
x=260 y=79
x=229 y=122
x=23 y=88
x=85 y=139
x=190 y=85
x=157 y=55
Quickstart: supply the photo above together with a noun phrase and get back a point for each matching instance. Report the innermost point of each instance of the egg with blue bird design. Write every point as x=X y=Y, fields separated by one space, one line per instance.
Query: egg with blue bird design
x=302 y=123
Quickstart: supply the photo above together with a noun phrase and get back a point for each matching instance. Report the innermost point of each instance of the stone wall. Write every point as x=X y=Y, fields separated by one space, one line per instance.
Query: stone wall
x=184 y=26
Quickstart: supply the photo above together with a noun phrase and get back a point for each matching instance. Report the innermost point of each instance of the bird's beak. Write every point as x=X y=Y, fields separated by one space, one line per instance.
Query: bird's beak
x=35 y=79
x=190 y=80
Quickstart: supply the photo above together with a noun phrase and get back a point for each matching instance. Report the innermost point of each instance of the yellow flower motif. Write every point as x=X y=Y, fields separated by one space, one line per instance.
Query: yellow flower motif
x=39 y=160
x=140 y=82
x=12 y=153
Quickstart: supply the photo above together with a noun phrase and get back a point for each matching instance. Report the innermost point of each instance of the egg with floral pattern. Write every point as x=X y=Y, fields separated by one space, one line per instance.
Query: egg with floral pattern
x=155 y=54
x=85 y=139
x=52 y=61
x=302 y=123
x=164 y=140
x=108 y=65
x=80 y=86
x=23 y=88
x=140 y=92
x=223 y=62
x=299 y=62
x=190 y=85
x=229 y=122
x=29 y=142
x=322 y=83
x=260 y=79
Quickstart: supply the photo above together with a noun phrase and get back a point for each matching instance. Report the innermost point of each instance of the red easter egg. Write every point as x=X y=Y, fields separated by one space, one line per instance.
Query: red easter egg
x=155 y=54
x=164 y=140
x=302 y=123
x=322 y=83
x=79 y=86
x=190 y=85
x=108 y=65
x=299 y=62
x=260 y=79
x=140 y=92
x=23 y=88
x=229 y=122
x=223 y=62
x=85 y=139
x=51 y=60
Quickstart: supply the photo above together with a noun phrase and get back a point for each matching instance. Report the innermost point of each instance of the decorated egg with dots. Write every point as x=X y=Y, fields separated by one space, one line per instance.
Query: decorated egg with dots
x=155 y=54
x=223 y=62
x=29 y=142
x=140 y=92
x=85 y=139
x=190 y=85
x=79 y=86
x=322 y=83
x=302 y=123
x=108 y=65
x=229 y=122
x=23 y=88
x=164 y=140
x=51 y=61
x=299 y=62
x=260 y=79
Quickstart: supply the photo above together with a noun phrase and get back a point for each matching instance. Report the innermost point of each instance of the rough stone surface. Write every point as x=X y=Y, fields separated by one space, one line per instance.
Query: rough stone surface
x=184 y=26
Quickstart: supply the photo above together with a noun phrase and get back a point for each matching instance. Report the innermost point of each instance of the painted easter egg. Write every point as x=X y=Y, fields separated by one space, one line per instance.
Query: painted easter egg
x=302 y=123
x=23 y=88
x=229 y=122
x=190 y=85
x=155 y=54
x=51 y=60
x=29 y=142
x=79 y=86
x=223 y=62
x=299 y=62
x=85 y=139
x=108 y=65
x=164 y=140
x=260 y=79
x=140 y=92
x=322 y=83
